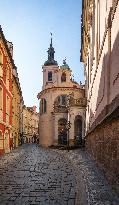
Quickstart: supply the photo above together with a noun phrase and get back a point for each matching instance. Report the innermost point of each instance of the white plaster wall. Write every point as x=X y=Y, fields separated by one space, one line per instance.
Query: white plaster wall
x=98 y=93
x=56 y=77
x=46 y=83
x=114 y=77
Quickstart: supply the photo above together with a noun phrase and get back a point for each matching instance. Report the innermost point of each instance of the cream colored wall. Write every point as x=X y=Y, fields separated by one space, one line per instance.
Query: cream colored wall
x=47 y=122
x=114 y=75
x=54 y=70
x=21 y=115
x=15 y=111
x=56 y=77
x=98 y=93
x=30 y=123
x=74 y=111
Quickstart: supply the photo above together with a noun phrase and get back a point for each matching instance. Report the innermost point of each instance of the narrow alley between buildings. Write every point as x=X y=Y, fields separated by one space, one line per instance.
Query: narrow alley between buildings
x=34 y=175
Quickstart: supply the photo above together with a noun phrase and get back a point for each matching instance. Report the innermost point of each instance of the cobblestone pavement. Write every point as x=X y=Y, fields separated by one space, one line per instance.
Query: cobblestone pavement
x=31 y=175
x=92 y=186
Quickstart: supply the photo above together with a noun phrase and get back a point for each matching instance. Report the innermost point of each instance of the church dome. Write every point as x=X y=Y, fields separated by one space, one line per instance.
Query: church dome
x=65 y=65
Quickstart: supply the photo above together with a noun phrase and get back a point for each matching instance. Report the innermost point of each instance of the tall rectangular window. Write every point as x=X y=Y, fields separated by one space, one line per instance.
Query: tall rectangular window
x=1 y=104
x=7 y=77
x=1 y=65
x=49 y=75
x=7 y=109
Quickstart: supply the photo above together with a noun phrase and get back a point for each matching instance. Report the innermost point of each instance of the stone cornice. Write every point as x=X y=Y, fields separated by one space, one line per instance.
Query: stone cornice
x=58 y=88
x=109 y=113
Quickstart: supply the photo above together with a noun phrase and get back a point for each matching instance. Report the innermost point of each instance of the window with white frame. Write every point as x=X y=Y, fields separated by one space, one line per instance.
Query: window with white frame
x=7 y=108
x=43 y=106
x=1 y=65
x=62 y=100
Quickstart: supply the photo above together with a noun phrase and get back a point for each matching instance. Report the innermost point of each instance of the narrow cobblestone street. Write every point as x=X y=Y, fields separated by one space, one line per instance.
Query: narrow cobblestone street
x=33 y=175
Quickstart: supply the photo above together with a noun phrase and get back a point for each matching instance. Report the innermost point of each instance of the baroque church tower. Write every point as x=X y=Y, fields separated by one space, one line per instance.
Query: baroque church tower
x=50 y=68
x=53 y=120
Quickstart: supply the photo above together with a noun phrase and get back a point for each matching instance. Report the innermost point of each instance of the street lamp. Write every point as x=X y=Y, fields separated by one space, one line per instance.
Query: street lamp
x=68 y=120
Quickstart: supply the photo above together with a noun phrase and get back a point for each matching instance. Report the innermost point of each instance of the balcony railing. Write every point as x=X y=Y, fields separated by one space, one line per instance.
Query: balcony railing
x=60 y=109
x=81 y=102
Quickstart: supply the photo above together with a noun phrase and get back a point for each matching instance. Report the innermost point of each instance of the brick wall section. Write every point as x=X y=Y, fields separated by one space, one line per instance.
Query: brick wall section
x=103 y=145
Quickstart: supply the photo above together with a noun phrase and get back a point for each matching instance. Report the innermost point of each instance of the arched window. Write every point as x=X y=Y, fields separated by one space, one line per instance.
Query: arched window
x=49 y=75
x=63 y=77
x=43 y=106
x=61 y=100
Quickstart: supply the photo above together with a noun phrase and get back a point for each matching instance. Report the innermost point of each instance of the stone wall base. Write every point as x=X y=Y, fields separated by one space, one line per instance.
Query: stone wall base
x=103 y=144
x=71 y=142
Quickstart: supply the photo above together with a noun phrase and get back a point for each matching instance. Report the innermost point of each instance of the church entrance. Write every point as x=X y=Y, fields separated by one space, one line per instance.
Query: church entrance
x=62 y=131
x=78 y=130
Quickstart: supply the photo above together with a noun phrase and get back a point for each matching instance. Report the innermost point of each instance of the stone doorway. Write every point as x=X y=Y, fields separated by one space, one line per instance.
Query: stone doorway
x=78 y=130
x=62 y=131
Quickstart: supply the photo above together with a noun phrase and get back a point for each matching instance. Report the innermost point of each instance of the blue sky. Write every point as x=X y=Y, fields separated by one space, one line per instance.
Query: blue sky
x=27 y=24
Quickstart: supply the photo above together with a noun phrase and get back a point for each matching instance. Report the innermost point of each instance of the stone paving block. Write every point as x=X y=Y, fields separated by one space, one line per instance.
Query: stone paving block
x=71 y=202
x=34 y=175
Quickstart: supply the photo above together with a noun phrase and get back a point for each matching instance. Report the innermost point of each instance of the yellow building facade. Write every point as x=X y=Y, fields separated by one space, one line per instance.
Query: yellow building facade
x=30 y=124
x=16 y=109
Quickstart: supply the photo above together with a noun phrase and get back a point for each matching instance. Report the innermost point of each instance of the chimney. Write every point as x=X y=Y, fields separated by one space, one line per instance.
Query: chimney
x=10 y=46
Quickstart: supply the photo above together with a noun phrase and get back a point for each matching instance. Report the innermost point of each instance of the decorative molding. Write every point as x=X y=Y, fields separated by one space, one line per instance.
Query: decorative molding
x=80 y=102
x=59 y=88
x=116 y=79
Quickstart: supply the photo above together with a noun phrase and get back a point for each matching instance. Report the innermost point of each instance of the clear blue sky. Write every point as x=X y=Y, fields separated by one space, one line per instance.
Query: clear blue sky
x=27 y=24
